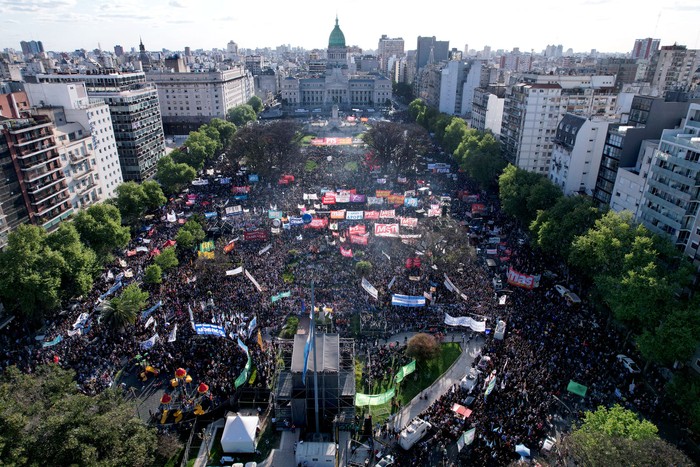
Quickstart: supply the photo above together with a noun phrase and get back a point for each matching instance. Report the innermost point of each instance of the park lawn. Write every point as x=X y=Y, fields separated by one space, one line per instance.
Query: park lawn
x=425 y=375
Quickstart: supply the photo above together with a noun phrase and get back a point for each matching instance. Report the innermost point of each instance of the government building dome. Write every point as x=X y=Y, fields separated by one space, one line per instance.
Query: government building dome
x=337 y=38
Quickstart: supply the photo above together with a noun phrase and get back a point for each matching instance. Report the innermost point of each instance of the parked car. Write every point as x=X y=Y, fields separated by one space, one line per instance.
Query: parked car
x=469 y=381
x=628 y=363
x=386 y=461
x=561 y=290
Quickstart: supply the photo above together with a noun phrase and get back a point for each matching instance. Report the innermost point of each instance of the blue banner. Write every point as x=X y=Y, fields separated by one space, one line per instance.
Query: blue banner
x=111 y=290
x=145 y=314
x=209 y=215
x=243 y=347
x=252 y=325
x=407 y=300
x=296 y=221
x=53 y=342
x=252 y=178
x=240 y=197
x=204 y=329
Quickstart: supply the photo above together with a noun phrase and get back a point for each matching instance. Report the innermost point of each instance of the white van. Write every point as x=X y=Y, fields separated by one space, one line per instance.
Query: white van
x=413 y=433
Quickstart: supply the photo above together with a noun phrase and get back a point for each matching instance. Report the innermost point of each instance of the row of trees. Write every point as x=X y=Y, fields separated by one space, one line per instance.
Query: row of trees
x=477 y=153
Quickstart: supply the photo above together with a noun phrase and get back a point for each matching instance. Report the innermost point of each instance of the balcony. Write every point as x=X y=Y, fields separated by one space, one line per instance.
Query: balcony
x=21 y=142
x=38 y=204
x=77 y=159
x=84 y=189
x=42 y=186
x=33 y=164
x=43 y=148
x=42 y=171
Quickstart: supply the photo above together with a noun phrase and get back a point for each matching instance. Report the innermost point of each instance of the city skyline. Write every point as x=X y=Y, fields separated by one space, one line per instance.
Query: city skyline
x=207 y=24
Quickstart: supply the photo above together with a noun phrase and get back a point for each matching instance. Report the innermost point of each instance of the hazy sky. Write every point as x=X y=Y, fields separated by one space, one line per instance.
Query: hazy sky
x=605 y=25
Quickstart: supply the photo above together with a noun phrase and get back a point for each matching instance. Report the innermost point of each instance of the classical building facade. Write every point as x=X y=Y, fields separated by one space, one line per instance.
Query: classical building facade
x=336 y=86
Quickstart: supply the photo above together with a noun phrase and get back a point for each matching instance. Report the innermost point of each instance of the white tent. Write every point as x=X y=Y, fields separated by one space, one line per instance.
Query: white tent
x=239 y=434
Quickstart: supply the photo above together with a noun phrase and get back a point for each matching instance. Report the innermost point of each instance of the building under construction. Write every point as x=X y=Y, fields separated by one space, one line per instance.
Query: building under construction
x=334 y=365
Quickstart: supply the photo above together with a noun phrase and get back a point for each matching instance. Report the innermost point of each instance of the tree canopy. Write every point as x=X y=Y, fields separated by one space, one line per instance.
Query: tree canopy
x=523 y=193
x=270 y=147
x=479 y=155
x=256 y=103
x=81 y=264
x=134 y=200
x=174 y=177
x=242 y=114
x=190 y=234
x=124 y=309
x=397 y=145
x=153 y=274
x=167 y=259
x=44 y=420
x=423 y=347
x=100 y=228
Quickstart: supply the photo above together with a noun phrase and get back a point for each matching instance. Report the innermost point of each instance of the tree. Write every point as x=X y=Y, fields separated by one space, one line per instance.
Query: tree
x=256 y=103
x=44 y=420
x=397 y=144
x=100 y=228
x=554 y=229
x=363 y=268
x=30 y=282
x=267 y=147
x=415 y=108
x=124 y=309
x=423 y=347
x=523 y=193
x=226 y=131
x=174 y=177
x=479 y=155
x=154 y=195
x=675 y=339
x=402 y=91
x=81 y=264
x=153 y=274
x=241 y=115
x=131 y=201
x=455 y=132
x=190 y=234
x=617 y=436
x=167 y=259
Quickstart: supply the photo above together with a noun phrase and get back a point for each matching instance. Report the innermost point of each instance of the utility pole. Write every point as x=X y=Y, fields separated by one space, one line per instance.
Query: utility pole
x=313 y=338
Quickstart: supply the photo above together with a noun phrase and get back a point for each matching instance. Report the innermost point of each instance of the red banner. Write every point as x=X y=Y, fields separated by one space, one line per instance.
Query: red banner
x=328 y=198
x=478 y=208
x=358 y=229
x=386 y=230
x=408 y=222
x=372 y=215
x=413 y=263
x=317 y=224
x=359 y=239
x=255 y=235
x=395 y=199
x=525 y=281
x=383 y=193
x=240 y=189
x=346 y=252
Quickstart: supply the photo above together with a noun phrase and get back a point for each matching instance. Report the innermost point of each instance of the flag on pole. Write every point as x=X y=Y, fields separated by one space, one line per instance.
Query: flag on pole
x=173 y=334
x=309 y=343
x=260 y=340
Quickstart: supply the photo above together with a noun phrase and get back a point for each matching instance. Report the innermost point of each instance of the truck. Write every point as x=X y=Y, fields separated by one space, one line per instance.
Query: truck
x=413 y=433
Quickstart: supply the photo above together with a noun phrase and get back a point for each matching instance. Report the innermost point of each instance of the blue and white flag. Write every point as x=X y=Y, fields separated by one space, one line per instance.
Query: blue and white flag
x=407 y=300
x=145 y=314
x=243 y=347
x=205 y=329
x=148 y=344
x=309 y=342
x=173 y=334
x=53 y=342
x=111 y=290
x=252 y=325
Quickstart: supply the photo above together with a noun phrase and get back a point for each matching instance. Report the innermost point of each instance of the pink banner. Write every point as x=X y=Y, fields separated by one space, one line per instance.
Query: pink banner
x=387 y=214
x=254 y=235
x=240 y=189
x=359 y=229
x=359 y=239
x=346 y=252
x=386 y=230
x=525 y=281
x=408 y=222
x=372 y=215
x=317 y=223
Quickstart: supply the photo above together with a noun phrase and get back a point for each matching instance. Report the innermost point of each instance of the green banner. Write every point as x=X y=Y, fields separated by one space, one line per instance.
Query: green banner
x=206 y=246
x=286 y=294
x=405 y=371
x=376 y=399
x=245 y=374
x=576 y=388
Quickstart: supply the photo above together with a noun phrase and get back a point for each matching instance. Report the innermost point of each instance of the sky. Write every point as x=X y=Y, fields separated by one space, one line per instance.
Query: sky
x=604 y=25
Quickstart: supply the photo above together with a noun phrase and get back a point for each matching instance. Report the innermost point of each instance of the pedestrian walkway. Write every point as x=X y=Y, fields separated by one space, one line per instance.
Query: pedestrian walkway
x=284 y=455
x=452 y=376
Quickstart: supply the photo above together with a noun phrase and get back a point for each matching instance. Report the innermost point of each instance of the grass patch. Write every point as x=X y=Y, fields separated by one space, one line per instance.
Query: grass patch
x=288 y=276
x=351 y=166
x=425 y=375
x=290 y=328
x=306 y=140
x=310 y=166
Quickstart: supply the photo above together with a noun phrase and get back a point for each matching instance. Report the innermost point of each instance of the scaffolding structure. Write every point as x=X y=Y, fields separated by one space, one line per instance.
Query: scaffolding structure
x=295 y=399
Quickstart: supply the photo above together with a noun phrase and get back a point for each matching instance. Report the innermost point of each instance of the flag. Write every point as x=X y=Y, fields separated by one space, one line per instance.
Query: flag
x=260 y=340
x=233 y=272
x=252 y=325
x=491 y=385
x=173 y=334
x=309 y=342
x=148 y=323
x=466 y=439
x=149 y=343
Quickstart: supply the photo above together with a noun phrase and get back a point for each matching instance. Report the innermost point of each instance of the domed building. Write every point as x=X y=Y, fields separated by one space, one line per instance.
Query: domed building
x=340 y=85
x=337 y=50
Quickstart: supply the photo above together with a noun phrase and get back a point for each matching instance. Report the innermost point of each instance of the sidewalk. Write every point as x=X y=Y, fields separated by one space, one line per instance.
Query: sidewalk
x=284 y=456
x=452 y=376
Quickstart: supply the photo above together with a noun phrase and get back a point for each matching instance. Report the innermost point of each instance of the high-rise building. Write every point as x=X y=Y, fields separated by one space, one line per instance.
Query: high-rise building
x=188 y=100
x=671 y=203
x=644 y=48
x=674 y=68
x=34 y=188
x=388 y=48
x=118 y=50
x=31 y=47
x=487 y=108
x=431 y=50
x=458 y=82
x=136 y=120
x=85 y=139
x=14 y=104
x=535 y=105
x=648 y=117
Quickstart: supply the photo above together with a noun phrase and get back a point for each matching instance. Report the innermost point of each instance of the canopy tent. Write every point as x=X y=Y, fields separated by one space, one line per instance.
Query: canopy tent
x=239 y=434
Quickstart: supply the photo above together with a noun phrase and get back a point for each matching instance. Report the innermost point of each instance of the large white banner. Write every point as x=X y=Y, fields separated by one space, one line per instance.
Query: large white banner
x=369 y=288
x=252 y=279
x=233 y=272
x=308 y=196
x=386 y=230
x=374 y=200
x=466 y=321
x=355 y=215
